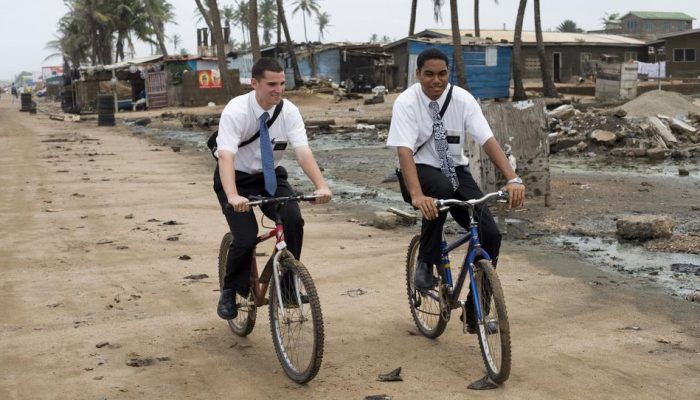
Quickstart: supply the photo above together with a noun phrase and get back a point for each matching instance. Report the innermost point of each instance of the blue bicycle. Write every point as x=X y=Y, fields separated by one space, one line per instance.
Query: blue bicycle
x=485 y=313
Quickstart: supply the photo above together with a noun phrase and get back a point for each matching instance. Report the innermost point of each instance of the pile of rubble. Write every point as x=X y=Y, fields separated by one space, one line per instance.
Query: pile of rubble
x=614 y=132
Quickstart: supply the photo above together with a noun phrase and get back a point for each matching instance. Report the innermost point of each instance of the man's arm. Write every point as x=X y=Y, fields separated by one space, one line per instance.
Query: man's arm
x=308 y=164
x=425 y=204
x=516 y=191
x=227 y=173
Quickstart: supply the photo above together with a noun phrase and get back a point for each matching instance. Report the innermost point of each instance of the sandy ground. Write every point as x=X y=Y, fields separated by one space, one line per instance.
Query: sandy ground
x=85 y=259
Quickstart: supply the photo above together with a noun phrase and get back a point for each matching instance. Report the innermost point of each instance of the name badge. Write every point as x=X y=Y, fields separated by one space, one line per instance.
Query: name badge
x=279 y=144
x=455 y=138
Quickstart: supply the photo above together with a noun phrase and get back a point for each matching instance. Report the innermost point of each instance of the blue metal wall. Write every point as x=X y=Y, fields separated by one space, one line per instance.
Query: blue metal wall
x=327 y=65
x=484 y=82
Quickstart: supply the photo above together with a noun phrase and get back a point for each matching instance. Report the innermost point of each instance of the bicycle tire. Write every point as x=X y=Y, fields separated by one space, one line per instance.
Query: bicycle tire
x=244 y=323
x=494 y=329
x=425 y=310
x=300 y=364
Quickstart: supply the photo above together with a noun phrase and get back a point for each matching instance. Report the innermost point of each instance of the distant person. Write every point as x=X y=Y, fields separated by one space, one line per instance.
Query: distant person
x=432 y=167
x=13 y=91
x=248 y=165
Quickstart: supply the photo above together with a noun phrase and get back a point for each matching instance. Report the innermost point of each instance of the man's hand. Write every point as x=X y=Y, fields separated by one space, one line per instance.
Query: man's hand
x=516 y=194
x=239 y=203
x=324 y=193
x=426 y=205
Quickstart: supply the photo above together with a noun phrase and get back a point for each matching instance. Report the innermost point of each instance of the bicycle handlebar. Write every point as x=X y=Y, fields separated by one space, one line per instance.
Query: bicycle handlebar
x=261 y=201
x=445 y=204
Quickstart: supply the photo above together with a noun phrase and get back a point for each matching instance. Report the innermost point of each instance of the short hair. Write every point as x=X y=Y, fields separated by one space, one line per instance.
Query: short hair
x=431 y=53
x=265 y=64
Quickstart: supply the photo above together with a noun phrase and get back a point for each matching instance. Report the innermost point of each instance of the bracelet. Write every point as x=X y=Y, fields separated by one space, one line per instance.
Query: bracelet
x=517 y=180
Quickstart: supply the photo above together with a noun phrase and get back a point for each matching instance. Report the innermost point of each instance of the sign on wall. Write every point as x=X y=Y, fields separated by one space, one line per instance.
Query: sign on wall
x=209 y=79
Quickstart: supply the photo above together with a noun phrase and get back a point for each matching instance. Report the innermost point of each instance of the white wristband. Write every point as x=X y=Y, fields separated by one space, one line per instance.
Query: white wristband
x=517 y=179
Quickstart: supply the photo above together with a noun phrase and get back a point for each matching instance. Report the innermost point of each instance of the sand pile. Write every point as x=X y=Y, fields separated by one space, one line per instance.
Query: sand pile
x=660 y=102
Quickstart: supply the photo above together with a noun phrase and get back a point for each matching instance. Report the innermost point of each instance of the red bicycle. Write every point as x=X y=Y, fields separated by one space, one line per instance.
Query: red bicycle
x=296 y=321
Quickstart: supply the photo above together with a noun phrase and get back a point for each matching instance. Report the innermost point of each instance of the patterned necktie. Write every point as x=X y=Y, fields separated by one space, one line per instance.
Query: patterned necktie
x=440 y=138
x=268 y=163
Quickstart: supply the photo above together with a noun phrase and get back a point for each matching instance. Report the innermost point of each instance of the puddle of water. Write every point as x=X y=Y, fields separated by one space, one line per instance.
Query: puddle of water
x=626 y=167
x=678 y=272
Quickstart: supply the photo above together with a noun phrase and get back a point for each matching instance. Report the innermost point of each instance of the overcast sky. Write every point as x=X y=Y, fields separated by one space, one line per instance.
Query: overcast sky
x=27 y=25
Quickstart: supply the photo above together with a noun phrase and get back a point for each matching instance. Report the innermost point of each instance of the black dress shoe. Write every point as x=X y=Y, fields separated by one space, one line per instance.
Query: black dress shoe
x=425 y=280
x=227 y=305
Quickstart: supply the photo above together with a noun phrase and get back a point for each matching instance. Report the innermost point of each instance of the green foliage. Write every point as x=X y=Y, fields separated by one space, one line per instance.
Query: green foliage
x=569 y=26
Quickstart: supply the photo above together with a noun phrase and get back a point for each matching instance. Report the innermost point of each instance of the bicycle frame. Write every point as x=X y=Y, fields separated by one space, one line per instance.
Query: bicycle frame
x=474 y=250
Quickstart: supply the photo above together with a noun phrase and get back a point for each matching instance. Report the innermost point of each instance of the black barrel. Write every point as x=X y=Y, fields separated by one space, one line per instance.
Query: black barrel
x=26 y=101
x=105 y=110
x=67 y=100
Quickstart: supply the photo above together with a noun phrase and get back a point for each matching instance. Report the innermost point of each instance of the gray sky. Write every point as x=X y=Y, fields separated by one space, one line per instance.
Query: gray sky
x=27 y=25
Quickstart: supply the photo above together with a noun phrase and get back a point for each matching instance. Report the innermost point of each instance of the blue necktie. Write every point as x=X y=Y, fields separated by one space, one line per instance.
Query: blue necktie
x=441 y=146
x=268 y=163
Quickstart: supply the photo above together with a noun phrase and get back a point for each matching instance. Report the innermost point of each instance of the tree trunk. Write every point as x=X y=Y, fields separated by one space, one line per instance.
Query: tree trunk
x=253 y=29
x=548 y=88
x=290 y=45
x=156 y=27
x=457 y=46
x=517 y=60
x=220 y=52
x=477 y=30
x=412 y=24
x=207 y=20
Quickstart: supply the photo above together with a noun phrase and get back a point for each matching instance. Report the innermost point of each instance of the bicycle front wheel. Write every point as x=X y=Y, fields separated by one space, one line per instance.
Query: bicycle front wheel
x=425 y=306
x=244 y=323
x=297 y=329
x=493 y=328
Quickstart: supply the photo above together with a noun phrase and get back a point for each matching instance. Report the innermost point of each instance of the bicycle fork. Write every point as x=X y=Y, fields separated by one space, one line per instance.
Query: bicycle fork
x=446 y=285
x=278 y=286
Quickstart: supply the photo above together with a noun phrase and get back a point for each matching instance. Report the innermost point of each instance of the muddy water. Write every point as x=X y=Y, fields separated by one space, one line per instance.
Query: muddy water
x=356 y=163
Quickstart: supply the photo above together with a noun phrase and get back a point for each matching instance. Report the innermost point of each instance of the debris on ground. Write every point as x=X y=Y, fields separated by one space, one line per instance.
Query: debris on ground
x=393 y=376
x=655 y=125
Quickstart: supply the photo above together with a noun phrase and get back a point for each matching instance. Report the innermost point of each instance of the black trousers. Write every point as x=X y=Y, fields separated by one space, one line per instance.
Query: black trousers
x=435 y=184
x=244 y=226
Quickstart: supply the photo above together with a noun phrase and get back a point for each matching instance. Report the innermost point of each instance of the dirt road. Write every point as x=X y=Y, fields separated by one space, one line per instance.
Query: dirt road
x=91 y=280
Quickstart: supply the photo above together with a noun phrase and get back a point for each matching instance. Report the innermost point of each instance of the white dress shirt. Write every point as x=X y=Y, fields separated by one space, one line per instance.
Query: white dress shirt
x=240 y=120
x=411 y=124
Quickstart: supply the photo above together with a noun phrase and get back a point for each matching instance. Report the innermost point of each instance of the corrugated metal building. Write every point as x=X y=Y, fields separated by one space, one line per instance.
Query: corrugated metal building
x=486 y=64
x=570 y=53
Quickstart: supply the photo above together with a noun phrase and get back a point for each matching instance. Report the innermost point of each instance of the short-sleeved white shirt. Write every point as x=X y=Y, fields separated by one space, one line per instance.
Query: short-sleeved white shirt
x=240 y=120
x=411 y=124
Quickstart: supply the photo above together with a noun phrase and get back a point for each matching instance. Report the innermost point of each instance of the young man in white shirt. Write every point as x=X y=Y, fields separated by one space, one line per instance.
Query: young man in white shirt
x=248 y=165
x=430 y=144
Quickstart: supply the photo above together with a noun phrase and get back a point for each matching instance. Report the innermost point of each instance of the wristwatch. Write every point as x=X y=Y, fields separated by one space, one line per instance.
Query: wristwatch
x=517 y=179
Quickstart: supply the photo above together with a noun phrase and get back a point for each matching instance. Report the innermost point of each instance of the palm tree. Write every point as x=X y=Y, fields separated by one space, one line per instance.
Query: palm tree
x=290 y=45
x=437 y=10
x=240 y=17
x=412 y=23
x=176 y=40
x=220 y=53
x=548 y=88
x=306 y=7
x=323 y=21
x=253 y=28
x=374 y=38
x=569 y=26
x=267 y=13
x=517 y=60
x=204 y=14
x=157 y=12
x=477 y=30
x=457 y=46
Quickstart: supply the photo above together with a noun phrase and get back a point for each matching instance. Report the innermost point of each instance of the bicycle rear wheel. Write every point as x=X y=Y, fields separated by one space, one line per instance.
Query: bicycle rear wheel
x=244 y=323
x=425 y=307
x=493 y=328
x=298 y=336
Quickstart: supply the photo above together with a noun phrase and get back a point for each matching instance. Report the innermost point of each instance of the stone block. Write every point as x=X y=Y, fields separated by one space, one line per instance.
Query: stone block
x=644 y=227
